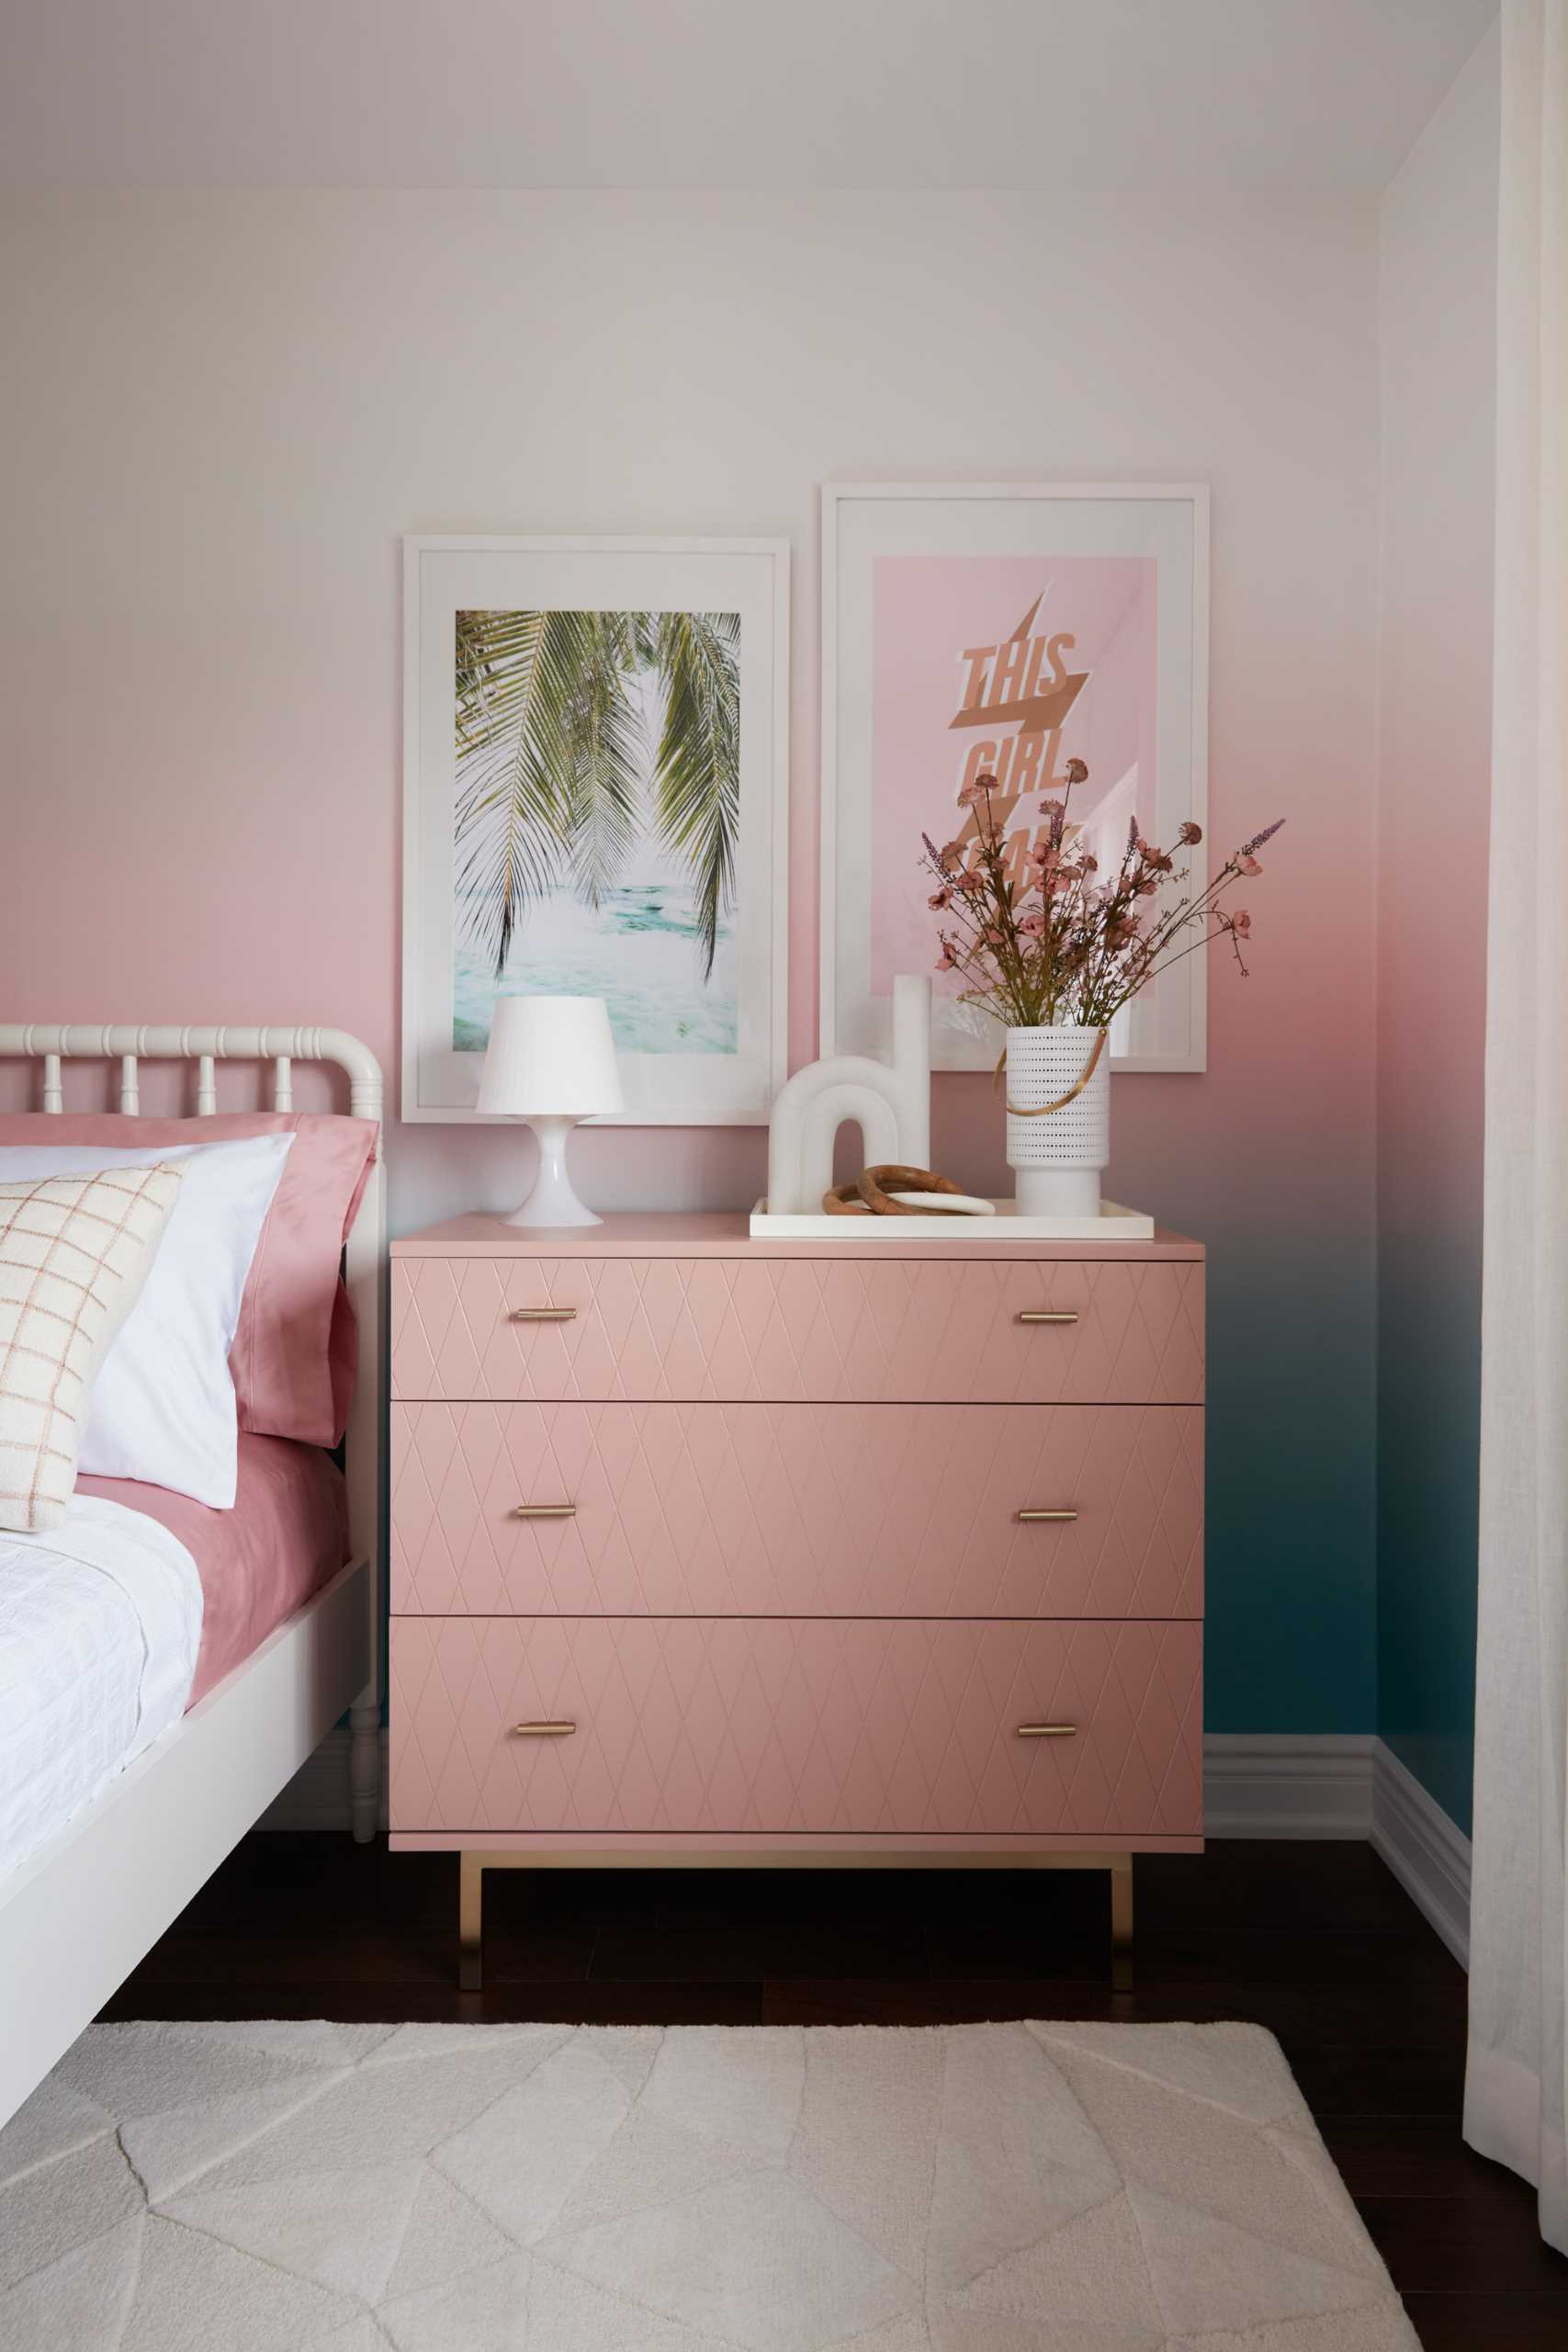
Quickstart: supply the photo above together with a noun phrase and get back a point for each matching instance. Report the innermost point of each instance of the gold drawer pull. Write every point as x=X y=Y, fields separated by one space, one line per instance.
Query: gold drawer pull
x=543 y=1314
x=1031 y=1518
x=544 y=1511
x=1044 y=1314
x=543 y=1731
x=1047 y=1731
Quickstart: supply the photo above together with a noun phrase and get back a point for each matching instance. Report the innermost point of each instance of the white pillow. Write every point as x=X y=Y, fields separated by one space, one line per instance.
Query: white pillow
x=164 y=1407
x=74 y=1252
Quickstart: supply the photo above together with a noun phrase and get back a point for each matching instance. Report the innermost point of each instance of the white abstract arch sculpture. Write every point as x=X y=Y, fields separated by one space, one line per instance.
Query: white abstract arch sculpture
x=892 y=1108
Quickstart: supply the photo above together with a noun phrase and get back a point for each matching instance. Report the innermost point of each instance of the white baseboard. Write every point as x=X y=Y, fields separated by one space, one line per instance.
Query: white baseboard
x=1428 y=1854
x=1256 y=1784
x=1268 y=1784
x=1287 y=1784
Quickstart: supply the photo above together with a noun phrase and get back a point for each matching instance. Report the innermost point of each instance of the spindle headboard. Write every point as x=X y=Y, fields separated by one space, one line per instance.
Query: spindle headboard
x=53 y=1044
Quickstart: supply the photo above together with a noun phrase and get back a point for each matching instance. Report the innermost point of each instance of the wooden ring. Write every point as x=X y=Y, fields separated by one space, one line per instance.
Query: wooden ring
x=874 y=1184
x=844 y=1200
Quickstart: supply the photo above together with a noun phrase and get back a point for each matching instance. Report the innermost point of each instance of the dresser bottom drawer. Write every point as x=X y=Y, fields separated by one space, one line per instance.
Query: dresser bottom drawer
x=768 y=1725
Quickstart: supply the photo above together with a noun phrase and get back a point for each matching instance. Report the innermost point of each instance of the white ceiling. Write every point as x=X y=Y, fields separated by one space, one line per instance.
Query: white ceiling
x=722 y=94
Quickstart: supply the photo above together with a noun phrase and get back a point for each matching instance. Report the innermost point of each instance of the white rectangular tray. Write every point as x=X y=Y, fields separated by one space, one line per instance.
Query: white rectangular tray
x=1112 y=1224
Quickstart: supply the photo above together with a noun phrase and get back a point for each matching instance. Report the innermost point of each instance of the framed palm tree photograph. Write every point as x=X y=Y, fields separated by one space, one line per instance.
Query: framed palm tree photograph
x=596 y=804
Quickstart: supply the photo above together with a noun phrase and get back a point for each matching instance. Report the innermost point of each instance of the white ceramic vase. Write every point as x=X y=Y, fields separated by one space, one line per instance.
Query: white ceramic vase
x=892 y=1108
x=1057 y=1155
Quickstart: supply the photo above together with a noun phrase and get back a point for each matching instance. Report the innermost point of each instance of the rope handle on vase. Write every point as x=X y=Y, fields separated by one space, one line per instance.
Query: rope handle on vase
x=1044 y=1110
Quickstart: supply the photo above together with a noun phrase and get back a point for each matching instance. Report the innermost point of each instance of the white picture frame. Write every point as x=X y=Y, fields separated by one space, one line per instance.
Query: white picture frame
x=1166 y=1028
x=445 y=574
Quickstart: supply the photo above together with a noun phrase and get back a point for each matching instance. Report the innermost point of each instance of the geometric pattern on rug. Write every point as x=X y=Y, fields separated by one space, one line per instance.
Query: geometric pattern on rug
x=1027 y=2188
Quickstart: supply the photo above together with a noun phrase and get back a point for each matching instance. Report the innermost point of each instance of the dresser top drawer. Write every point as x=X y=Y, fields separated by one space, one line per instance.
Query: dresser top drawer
x=760 y=1331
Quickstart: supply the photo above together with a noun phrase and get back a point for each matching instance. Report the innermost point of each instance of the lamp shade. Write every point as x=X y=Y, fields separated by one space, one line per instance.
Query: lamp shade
x=550 y=1056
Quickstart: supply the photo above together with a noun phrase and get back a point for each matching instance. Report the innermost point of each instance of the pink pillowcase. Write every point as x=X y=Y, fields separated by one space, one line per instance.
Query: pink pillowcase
x=297 y=1348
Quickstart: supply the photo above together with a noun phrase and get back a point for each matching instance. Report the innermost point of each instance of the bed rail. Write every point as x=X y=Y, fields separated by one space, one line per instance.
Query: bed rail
x=54 y=1043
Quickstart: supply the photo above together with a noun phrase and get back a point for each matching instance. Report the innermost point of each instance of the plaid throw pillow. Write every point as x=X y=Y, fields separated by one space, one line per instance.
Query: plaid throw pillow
x=73 y=1253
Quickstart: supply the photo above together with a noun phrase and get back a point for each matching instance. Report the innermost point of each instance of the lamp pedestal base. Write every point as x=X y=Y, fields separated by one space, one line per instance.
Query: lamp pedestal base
x=552 y=1200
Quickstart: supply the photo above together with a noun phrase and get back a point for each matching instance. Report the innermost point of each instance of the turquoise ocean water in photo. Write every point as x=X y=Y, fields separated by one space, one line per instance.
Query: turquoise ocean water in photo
x=637 y=950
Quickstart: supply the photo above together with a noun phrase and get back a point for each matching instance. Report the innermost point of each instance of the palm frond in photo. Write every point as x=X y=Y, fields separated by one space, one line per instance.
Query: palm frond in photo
x=576 y=731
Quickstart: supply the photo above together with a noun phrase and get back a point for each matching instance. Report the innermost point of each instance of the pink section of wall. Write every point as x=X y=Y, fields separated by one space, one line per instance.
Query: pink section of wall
x=224 y=412
x=229 y=408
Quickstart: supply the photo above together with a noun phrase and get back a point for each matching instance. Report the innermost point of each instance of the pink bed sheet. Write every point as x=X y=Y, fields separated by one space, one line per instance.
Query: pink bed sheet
x=286 y=1537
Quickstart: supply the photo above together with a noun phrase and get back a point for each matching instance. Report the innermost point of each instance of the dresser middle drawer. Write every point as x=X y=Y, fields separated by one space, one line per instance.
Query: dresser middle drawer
x=828 y=1510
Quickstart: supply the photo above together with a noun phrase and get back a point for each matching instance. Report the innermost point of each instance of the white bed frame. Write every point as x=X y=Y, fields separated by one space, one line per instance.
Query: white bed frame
x=79 y=1914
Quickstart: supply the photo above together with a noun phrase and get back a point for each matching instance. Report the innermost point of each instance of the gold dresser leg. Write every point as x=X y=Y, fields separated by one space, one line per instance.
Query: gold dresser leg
x=470 y=1922
x=1121 y=1924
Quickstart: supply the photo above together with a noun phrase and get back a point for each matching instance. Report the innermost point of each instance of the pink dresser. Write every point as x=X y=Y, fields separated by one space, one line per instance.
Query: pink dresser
x=708 y=1551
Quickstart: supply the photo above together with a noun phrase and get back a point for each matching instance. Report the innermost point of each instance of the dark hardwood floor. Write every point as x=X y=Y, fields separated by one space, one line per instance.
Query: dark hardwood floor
x=1316 y=1942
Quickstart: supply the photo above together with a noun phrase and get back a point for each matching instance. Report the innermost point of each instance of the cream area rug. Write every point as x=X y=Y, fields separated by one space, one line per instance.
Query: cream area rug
x=549 y=2189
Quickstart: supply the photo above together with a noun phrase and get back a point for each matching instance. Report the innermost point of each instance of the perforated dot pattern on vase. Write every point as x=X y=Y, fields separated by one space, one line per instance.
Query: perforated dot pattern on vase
x=1041 y=1065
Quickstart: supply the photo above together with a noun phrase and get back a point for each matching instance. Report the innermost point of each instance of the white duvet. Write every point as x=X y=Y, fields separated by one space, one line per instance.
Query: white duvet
x=99 y=1624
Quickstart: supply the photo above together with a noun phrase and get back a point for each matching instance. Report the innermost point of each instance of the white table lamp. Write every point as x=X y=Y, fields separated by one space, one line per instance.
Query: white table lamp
x=550 y=1060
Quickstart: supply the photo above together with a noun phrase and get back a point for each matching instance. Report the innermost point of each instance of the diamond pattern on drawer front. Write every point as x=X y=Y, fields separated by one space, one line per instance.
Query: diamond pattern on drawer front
x=797 y=1510
x=813 y=1330
x=822 y=1724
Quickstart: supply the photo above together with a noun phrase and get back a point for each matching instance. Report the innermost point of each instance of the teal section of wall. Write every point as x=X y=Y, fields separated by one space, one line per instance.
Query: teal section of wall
x=1291 y=1576
x=1289 y=1635
x=1429 y=1453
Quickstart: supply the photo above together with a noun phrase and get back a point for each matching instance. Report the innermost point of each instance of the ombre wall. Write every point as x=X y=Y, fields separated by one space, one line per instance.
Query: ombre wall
x=223 y=411
x=1438 y=298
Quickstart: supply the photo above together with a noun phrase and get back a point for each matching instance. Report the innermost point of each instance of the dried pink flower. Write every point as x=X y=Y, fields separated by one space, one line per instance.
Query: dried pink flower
x=1076 y=772
x=1040 y=941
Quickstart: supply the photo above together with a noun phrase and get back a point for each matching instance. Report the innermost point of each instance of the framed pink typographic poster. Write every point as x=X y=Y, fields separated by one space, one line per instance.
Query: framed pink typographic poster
x=1003 y=628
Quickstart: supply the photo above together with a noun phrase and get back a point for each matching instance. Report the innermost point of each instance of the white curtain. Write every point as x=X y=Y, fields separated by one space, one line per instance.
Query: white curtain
x=1516 y=2087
